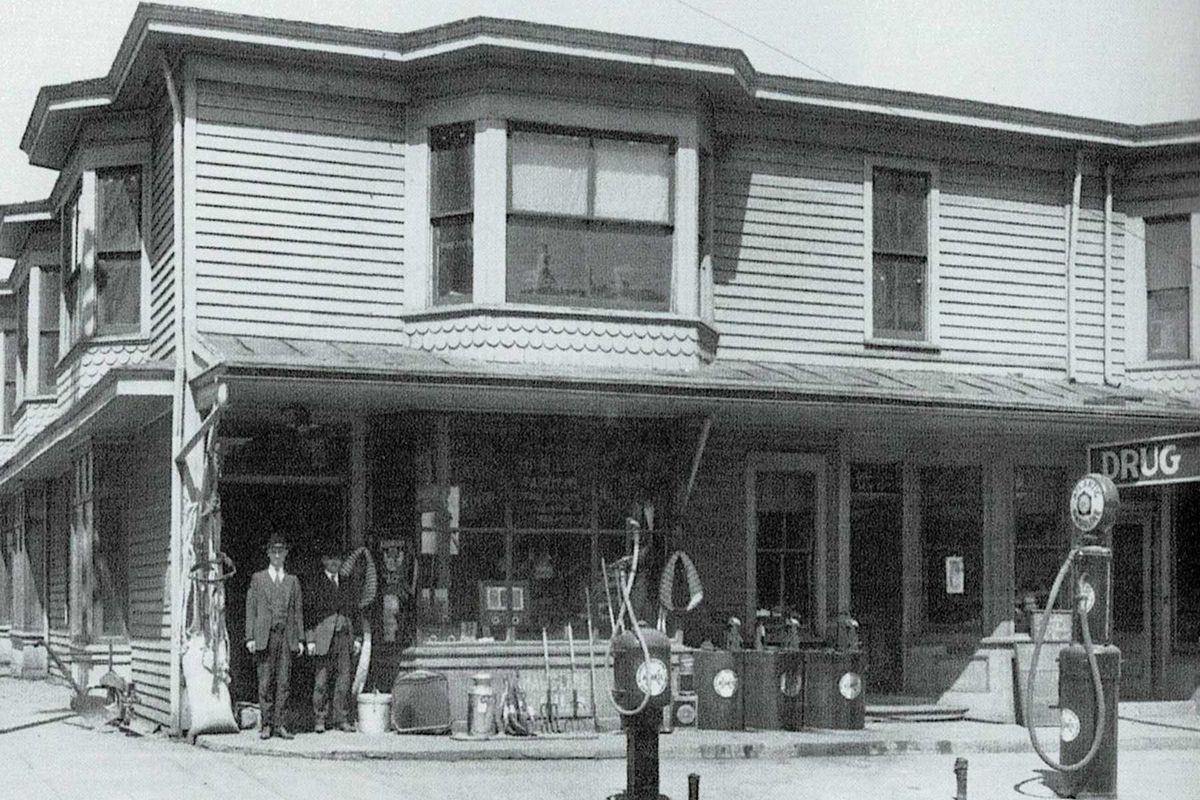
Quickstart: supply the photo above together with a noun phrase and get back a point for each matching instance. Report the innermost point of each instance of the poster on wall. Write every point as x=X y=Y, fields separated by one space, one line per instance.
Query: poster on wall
x=954 y=575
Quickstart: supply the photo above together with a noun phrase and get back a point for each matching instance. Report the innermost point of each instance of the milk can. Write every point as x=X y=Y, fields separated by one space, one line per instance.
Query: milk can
x=481 y=718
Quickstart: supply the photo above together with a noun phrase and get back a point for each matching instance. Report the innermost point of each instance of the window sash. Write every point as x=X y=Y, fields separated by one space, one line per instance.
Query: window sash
x=586 y=175
x=452 y=169
x=1168 y=253
x=118 y=294
x=453 y=259
x=581 y=263
x=119 y=211
x=898 y=296
x=900 y=213
x=1168 y=323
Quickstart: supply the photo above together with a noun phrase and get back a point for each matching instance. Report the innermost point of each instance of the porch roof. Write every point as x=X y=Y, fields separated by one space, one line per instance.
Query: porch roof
x=721 y=381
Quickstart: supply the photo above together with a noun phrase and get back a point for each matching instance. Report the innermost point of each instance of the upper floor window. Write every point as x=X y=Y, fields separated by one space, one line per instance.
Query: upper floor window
x=72 y=261
x=118 y=250
x=8 y=340
x=589 y=220
x=47 y=343
x=1168 y=287
x=451 y=211
x=899 y=253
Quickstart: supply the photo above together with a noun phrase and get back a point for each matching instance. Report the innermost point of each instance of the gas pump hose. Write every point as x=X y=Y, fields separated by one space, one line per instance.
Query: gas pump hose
x=626 y=607
x=1101 y=712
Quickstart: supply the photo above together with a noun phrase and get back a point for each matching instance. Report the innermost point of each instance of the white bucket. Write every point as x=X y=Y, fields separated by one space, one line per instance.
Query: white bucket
x=374 y=712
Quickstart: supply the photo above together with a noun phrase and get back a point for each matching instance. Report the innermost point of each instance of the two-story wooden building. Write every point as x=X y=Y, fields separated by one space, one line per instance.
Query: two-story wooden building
x=486 y=288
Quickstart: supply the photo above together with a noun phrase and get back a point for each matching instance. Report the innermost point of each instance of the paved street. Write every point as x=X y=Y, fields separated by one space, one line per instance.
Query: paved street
x=65 y=759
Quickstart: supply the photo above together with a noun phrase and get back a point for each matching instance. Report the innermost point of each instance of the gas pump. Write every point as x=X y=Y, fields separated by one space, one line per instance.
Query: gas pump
x=1090 y=668
x=641 y=687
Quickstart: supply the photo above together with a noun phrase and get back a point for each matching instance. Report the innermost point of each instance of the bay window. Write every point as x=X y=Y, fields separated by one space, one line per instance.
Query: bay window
x=589 y=219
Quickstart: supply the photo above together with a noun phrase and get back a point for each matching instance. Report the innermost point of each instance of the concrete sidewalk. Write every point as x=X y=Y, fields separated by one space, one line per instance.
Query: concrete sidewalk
x=1169 y=727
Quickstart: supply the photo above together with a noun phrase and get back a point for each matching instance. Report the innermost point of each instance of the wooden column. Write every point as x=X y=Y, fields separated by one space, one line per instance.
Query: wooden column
x=442 y=480
x=82 y=577
x=357 y=516
x=913 y=603
x=998 y=544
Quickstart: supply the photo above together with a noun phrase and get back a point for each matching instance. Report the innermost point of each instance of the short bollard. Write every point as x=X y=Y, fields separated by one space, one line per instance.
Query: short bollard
x=960 y=772
x=693 y=786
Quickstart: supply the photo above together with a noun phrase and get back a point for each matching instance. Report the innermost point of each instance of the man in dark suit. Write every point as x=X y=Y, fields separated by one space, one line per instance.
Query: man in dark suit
x=330 y=640
x=274 y=631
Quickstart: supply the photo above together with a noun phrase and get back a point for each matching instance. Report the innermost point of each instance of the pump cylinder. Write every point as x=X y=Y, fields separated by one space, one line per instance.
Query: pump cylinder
x=1078 y=712
x=1091 y=581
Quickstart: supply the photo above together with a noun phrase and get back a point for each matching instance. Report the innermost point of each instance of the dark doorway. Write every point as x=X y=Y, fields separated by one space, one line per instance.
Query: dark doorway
x=876 y=590
x=308 y=516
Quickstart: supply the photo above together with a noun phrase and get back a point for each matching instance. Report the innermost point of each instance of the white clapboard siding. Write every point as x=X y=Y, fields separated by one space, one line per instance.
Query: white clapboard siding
x=162 y=237
x=299 y=214
x=789 y=265
x=147 y=520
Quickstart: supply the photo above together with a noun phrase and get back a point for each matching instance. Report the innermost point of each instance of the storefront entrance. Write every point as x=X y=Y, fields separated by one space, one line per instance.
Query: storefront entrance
x=876 y=589
x=309 y=516
x=1132 y=602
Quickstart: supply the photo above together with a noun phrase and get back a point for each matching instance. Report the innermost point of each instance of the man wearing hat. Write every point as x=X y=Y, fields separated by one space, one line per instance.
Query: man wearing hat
x=331 y=605
x=274 y=627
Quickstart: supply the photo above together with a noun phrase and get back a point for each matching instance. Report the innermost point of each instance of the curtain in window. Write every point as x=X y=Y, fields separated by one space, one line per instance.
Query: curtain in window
x=118 y=212
x=633 y=180
x=899 y=212
x=118 y=293
x=549 y=173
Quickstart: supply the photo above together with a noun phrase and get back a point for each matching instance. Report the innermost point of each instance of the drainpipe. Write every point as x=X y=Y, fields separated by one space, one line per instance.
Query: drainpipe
x=1109 y=380
x=1072 y=231
x=174 y=575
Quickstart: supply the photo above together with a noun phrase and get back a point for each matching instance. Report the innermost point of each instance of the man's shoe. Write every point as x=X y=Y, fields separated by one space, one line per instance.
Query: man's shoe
x=319 y=727
x=264 y=732
x=346 y=727
x=284 y=733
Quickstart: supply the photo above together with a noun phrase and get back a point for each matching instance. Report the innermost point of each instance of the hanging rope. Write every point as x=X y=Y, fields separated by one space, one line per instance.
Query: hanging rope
x=370 y=580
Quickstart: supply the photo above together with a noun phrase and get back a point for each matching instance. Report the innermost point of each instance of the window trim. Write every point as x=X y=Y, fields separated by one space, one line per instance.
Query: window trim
x=931 y=340
x=1136 y=299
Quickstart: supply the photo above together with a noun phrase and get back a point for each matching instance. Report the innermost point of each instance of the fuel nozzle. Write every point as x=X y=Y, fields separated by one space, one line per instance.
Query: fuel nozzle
x=733 y=635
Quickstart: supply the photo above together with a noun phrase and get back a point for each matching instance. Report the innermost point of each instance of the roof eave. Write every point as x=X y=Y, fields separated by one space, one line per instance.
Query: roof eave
x=151 y=23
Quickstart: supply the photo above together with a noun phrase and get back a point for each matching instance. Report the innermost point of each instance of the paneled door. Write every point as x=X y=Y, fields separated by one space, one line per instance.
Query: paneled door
x=1131 y=583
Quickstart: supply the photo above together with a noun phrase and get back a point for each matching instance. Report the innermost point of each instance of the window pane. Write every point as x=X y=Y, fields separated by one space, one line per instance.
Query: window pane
x=1167 y=323
x=452 y=169
x=70 y=227
x=453 y=261
x=899 y=296
x=118 y=295
x=10 y=355
x=49 y=305
x=10 y=405
x=900 y=224
x=575 y=263
x=951 y=520
x=549 y=173
x=633 y=180
x=47 y=362
x=118 y=211
x=1168 y=253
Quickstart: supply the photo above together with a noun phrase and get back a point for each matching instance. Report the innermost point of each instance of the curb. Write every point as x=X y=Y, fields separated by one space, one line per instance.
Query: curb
x=704 y=752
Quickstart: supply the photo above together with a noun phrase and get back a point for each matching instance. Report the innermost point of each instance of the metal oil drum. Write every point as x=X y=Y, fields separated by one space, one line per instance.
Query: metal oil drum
x=790 y=680
x=833 y=689
x=760 y=695
x=718 y=690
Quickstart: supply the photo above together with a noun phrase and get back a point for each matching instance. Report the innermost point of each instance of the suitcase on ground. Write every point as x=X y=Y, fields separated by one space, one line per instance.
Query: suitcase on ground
x=421 y=702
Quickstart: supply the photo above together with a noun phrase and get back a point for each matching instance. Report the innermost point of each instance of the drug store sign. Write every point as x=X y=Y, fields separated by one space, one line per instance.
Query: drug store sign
x=1150 y=462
